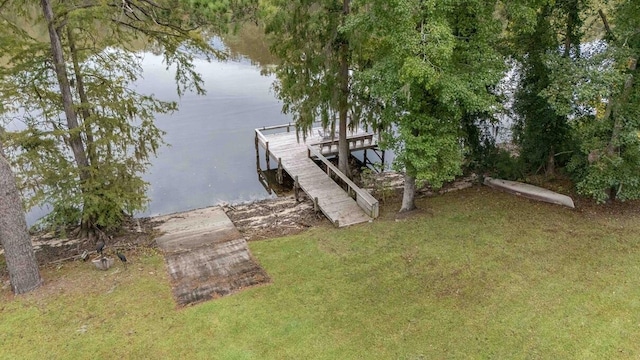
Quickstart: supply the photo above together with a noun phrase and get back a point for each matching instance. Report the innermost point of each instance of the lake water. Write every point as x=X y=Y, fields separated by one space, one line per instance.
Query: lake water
x=211 y=157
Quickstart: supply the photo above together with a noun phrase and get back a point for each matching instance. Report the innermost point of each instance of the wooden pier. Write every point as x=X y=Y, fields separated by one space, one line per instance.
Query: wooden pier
x=296 y=156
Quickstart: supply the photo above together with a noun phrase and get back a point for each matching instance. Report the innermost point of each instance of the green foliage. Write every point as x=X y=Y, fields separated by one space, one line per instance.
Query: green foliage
x=600 y=93
x=428 y=149
x=576 y=105
x=433 y=63
x=612 y=174
x=502 y=164
x=484 y=156
x=116 y=123
x=123 y=137
x=308 y=39
x=542 y=130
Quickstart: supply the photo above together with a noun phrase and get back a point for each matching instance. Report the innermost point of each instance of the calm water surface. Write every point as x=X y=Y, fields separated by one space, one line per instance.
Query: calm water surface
x=211 y=155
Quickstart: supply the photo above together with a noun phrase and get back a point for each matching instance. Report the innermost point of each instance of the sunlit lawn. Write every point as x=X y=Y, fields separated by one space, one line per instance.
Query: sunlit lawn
x=478 y=274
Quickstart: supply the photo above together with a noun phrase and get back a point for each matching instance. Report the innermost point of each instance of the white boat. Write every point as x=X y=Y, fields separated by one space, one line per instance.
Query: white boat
x=529 y=191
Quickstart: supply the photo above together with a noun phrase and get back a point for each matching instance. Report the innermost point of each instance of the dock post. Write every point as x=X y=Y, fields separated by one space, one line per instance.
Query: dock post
x=296 y=189
x=382 y=161
x=316 y=207
x=279 y=173
x=337 y=223
x=266 y=151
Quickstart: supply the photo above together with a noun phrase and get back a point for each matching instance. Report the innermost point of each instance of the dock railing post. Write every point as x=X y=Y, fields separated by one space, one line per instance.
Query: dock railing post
x=279 y=173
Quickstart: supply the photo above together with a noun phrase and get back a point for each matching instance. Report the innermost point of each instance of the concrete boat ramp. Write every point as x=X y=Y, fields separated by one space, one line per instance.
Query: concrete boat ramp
x=206 y=256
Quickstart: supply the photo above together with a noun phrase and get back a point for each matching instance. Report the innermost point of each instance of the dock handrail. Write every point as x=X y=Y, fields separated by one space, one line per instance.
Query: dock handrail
x=330 y=146
x=260 y=136
x=276 y=127
x=365 y=200
x=263 y=139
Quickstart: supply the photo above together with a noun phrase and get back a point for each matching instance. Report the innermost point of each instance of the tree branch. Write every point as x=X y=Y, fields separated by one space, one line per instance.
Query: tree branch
x=606 y=24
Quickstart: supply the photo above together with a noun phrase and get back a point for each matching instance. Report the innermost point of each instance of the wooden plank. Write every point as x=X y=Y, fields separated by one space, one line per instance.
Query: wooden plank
x=206 y=256
x=293 y=153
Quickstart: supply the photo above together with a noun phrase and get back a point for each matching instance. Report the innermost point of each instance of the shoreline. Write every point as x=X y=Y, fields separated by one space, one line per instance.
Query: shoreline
x=283 y=216
x=256 y=220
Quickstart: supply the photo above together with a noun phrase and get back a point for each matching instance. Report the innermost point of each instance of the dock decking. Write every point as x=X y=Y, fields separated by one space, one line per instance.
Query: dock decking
x=342 y=208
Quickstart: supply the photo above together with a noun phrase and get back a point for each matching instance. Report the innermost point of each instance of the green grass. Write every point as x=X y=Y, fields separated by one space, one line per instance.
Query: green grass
x=481 y=274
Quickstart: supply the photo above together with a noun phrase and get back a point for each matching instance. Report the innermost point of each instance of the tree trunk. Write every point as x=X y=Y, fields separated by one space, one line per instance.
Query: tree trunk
x=612 y=147
x=75 y=140
x=550 y=169
x=409 y=193
x=343 y=145
x=84 y=101
x=14 y=236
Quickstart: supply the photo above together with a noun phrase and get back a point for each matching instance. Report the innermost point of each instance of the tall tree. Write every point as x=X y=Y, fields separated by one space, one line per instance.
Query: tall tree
x=313 y=77
x=431 y=63
x=24 y=275
x=96 y=132
x=541 y=131
x=601 y=93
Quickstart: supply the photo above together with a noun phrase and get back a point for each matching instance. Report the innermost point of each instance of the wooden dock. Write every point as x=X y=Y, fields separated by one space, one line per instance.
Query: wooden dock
x=296 y=156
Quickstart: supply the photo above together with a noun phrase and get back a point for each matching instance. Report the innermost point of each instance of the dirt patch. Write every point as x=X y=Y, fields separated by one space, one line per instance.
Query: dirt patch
x=274 y=217
x=51 y=249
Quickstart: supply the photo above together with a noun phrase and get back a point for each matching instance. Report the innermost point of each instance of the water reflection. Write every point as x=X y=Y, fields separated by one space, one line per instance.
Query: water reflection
x=250 y=43
x=211 y=158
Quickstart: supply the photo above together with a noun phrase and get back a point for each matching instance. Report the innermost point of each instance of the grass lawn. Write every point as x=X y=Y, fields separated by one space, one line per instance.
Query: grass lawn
x=476 y=274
